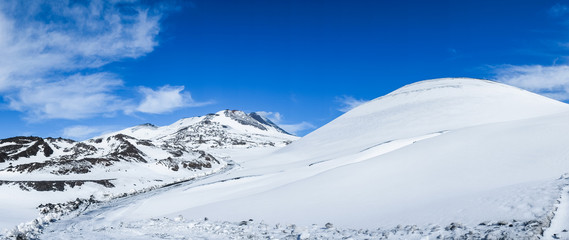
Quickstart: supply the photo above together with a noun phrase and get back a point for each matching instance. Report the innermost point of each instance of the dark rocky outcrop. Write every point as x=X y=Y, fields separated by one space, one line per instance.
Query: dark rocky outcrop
x=126 y=151
x=23 y=147
x=266 y=121
x=178 y=148
x=244 y=119
x=204 y=160
x=3 y=157
x=55 y=185
x=64 y=167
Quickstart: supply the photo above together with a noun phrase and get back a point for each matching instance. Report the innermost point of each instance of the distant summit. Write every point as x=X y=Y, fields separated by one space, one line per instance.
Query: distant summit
x=265 y=121
x=452 y=158
x=147 y=151
x=442 y=151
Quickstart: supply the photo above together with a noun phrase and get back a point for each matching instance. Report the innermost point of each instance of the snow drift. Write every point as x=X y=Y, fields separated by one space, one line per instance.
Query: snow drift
x=433 y=152
x=36 y=171
x=456 y=158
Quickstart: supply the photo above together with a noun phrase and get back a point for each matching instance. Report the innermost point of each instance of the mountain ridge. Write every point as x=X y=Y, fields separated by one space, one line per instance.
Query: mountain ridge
x=430 y=156
x=444 y=158
x=183 y=145
x=431 y=106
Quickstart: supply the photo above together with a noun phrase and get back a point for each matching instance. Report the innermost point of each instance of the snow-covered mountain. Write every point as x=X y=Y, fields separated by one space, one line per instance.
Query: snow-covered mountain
x=225 y=129
x=180 y=145
x=443 y=158
x=130 y=160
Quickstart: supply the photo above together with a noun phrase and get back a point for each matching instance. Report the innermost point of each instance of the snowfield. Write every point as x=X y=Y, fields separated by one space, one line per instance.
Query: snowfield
x=36 y=171
x=443 y=158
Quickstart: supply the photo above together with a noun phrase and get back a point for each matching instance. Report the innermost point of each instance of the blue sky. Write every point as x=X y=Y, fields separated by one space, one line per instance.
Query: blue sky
x=80 y=68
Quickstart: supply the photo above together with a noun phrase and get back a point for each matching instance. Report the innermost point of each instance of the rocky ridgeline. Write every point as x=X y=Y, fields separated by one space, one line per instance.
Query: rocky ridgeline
x=174 y=228
x=181 y=146
x=212 y=134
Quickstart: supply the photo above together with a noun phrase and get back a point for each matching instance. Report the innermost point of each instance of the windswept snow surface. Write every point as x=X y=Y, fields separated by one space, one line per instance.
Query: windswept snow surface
x=434 y=152
x=559 y=228
x=132 y=160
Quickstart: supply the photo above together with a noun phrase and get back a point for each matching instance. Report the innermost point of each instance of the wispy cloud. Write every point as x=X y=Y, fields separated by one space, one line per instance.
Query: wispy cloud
x=80 y=132
x=51 y=53
x=347 y=103
x=275 y=117
x=551 y=81
x=294 y=128
x=166 y=99
x=558 y=10
x=42 y=36
x=297 y=128
x=74 y=97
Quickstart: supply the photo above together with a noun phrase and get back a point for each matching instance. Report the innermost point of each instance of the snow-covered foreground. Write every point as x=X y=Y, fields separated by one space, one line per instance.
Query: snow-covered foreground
x=559 y=228
x=106 y=221
x=36 y=171
x=180 y=228
x=18 y=206
x=441 y=158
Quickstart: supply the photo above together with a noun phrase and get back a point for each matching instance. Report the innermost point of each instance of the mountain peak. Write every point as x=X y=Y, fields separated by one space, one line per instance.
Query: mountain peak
x=149 y=125
x=178 y=149
x=432 y=106
x=449 y=83
x=266 y=121
x=253 y=119
x=488 y=101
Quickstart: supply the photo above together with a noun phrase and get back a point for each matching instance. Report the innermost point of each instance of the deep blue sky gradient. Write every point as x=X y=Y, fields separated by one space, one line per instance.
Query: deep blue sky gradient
x=297 y=57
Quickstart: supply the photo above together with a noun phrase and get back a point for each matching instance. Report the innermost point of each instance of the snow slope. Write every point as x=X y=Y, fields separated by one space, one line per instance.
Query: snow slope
x=434 y=152
x=559 y=228
x=230 y=122
x=36 y=171
x=424 y=108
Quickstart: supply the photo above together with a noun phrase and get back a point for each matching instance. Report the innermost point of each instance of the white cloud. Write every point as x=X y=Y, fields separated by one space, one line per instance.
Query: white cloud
x=80 y=132
x=74 y=97
x=558 y=10
x=297 y=128
x=550 y=81
x=166 y=99
x=275 y=117
x=73 y=36
x=348 y=103
x=50 y=52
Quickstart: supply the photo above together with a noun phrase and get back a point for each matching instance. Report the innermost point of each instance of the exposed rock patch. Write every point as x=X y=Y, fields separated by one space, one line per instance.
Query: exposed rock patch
x=55 y=185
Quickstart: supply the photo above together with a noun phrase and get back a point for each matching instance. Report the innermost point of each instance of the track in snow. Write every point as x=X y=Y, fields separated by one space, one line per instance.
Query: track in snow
x=99 y=213
x=94 y=211
x=559 y=228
